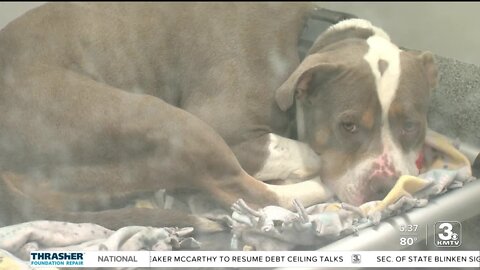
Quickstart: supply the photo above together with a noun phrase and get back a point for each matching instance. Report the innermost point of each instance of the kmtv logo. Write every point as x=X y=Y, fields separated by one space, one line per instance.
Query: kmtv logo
x=448 y=234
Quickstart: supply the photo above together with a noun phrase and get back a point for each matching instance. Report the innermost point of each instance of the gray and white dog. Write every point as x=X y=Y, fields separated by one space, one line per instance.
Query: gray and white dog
x=101 y=103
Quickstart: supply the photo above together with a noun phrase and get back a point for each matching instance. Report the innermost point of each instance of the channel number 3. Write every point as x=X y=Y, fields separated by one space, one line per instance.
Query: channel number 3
x=447 y=233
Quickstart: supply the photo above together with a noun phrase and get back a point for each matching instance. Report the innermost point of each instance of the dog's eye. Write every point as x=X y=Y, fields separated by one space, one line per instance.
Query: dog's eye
x=409 y=127
x=350 y=127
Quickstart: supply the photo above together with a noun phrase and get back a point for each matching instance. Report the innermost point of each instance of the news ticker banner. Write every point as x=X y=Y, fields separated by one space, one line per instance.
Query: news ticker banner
x=294 y=259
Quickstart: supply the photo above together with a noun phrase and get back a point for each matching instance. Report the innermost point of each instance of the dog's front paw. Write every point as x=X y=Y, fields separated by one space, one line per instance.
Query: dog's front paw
x=288 y=160
x=204 y=225
x=245 y=214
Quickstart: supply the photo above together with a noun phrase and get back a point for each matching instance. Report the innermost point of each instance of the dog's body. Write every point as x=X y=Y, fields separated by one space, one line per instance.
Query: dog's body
x=101 y=103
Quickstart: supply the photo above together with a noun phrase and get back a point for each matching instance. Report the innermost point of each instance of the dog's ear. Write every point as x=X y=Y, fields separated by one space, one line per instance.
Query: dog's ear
x=430 y=69
x=428 y=64
x=299 y=80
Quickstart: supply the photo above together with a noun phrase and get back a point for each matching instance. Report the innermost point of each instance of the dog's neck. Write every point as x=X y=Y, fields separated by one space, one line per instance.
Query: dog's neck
x=300 y=119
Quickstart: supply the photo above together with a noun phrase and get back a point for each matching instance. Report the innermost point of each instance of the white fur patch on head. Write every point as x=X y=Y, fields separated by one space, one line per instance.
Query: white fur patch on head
x=358 y=23
x=381 y=49
x=386 y=81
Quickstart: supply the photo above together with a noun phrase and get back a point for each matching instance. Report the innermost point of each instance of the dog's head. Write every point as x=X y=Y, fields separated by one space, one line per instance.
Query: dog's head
x=364 y=104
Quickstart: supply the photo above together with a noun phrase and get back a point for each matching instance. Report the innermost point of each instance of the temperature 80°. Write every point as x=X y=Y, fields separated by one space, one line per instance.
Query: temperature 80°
x=408 y=240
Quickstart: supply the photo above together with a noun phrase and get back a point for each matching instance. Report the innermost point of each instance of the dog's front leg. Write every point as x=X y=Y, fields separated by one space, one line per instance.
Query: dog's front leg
x=273 y=157
x=288 y=160
x=308 y=193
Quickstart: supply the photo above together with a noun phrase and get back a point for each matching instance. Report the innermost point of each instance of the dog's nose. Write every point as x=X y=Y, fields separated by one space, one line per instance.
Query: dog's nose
x=380 y=185
x=382 y=178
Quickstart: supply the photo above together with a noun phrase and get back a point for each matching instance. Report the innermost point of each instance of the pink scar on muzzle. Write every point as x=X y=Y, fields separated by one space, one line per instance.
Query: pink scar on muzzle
x=383 y=167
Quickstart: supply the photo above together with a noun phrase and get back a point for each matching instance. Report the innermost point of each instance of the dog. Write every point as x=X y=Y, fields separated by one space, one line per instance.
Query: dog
x=102 y=103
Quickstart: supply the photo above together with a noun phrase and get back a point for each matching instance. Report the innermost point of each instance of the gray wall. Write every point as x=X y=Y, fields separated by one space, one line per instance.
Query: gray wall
x=449 y=29
x=9 y=11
